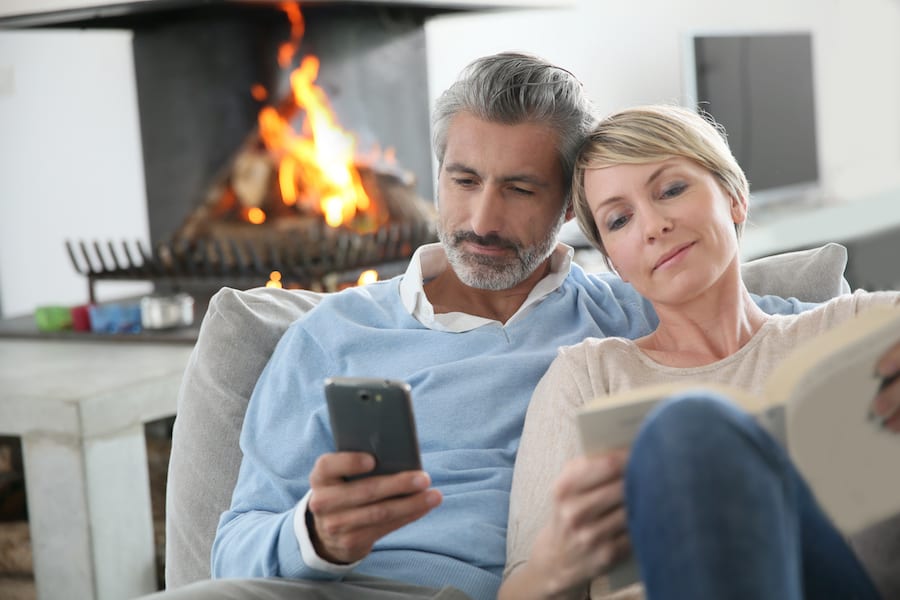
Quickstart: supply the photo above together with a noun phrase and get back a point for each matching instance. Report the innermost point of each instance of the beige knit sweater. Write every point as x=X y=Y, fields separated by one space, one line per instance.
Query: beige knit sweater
x=599 y=367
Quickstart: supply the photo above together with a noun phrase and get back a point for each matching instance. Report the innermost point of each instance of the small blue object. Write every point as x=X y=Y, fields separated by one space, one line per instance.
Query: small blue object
x=115 y=318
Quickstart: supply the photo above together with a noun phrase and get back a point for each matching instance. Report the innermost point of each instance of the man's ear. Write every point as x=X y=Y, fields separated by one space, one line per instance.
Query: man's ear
x=738 y=209
x=570 y=211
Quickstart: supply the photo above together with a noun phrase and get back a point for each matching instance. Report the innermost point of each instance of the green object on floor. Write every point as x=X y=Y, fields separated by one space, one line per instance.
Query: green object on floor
x=53 y=318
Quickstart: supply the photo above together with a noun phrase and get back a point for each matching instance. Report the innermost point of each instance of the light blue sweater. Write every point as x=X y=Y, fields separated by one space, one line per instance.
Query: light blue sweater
x=470 y=393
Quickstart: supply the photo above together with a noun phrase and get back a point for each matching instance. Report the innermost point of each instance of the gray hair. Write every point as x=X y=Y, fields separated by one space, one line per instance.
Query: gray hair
x=513 y=88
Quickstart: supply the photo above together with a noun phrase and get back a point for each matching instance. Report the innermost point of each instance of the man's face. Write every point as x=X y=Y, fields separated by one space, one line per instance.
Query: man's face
x=500 y=193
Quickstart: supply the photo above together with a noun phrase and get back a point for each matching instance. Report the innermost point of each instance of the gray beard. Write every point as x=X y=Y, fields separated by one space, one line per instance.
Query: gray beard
x=496 y=273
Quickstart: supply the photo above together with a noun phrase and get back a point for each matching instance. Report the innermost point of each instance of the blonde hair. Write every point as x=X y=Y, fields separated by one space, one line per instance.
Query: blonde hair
x=647 y=134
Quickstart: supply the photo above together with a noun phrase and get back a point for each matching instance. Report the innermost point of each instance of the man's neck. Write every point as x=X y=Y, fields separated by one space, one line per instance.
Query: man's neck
x=447 y=293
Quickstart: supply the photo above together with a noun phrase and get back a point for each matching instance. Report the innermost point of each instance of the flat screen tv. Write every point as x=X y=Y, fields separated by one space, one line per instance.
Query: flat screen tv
x=759 y=87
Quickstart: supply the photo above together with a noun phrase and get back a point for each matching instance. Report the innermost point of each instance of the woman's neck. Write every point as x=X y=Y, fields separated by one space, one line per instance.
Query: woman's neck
x=705 y=329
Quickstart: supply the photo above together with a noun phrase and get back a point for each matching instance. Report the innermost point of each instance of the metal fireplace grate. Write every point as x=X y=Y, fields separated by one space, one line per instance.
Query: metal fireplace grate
x=321 y=259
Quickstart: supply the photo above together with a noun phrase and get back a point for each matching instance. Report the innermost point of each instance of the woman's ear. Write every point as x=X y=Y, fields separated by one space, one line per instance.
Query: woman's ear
x=738 y=209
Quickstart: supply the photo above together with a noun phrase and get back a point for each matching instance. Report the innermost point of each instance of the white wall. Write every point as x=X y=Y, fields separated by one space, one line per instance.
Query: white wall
x=70 y=161
x=70 y=154
x=630 y=52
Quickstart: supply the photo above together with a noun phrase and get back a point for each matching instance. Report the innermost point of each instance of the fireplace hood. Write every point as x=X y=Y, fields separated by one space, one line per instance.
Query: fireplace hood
x=34 y=13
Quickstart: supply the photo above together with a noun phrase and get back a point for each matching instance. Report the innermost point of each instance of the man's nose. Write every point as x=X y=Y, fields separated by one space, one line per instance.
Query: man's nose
x=488 y=211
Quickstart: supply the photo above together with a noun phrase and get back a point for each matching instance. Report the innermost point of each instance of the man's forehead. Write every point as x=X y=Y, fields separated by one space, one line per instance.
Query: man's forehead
x=465 y=125
x=524 y=149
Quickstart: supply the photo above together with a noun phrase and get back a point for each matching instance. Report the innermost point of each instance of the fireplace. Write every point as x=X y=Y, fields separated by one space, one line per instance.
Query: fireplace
x=198 y=66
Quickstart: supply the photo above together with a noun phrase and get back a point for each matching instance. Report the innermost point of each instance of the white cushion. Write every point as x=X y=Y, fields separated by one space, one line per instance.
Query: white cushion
x=813 y=275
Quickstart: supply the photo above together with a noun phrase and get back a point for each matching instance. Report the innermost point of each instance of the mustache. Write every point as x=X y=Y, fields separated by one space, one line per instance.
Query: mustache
x=490 y=240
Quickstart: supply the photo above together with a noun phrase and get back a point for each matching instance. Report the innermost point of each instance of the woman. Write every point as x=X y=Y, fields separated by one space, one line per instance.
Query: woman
x=715 y=510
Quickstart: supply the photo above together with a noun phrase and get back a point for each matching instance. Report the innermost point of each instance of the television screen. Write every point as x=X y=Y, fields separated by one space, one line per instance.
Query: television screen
x=759 y=87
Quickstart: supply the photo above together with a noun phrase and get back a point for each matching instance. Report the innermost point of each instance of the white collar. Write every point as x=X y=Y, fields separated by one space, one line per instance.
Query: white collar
x=430 y=260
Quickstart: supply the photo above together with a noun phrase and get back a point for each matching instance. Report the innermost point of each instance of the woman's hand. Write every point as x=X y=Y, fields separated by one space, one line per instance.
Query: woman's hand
x=886 y=405
x=588 y=531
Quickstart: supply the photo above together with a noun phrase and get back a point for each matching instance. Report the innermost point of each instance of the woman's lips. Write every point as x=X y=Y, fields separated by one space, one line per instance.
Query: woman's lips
x=668 y=258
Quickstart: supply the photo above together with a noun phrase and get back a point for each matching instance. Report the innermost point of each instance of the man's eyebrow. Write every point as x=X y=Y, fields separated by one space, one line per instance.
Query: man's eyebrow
x=514 y=178
x=529 y=179
x=459 y=168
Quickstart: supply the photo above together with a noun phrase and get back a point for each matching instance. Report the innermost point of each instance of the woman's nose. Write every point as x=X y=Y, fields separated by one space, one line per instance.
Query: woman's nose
x=656 y=223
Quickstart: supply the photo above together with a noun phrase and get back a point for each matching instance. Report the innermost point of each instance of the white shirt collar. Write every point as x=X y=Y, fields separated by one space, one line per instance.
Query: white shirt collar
x=429 y=261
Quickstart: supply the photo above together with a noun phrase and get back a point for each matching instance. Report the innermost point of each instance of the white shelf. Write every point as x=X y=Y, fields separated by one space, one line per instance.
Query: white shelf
x=803 y=228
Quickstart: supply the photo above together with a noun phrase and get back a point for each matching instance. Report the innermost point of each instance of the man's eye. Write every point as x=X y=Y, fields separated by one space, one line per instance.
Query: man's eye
x=464 y=181
x=522 y=191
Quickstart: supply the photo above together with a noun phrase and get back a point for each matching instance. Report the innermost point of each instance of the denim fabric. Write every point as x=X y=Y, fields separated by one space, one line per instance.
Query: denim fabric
x=716 y=510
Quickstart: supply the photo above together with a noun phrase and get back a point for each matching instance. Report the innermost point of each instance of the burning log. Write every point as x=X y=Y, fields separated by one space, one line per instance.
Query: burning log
x=227 y=212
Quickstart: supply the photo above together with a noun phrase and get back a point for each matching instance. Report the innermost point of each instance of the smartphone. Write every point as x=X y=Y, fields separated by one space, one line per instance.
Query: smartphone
x=375 y=416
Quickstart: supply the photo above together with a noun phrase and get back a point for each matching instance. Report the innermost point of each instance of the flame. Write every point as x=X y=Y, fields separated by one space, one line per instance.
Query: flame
x=298 y=27
x=255 y=215
x=259 y=92
x=274 y=279
x=369 y=276
x=287 y=179
x=316 y=167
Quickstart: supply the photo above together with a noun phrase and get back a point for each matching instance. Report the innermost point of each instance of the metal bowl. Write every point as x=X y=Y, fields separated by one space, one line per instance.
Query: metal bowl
x=167 y=311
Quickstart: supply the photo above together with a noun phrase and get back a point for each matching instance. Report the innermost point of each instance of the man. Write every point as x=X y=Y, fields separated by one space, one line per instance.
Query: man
x=471 y=326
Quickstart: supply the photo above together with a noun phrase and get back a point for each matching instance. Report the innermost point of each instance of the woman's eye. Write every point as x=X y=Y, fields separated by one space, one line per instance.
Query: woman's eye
x=616 y=223
x=674 y=190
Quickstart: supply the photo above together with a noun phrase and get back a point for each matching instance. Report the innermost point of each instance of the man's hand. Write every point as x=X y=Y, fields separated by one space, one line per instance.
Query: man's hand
x=887 y=403
x=346 y=518
x=588 y=530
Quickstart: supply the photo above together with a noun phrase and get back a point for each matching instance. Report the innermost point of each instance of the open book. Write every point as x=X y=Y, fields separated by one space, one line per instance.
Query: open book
x=816 y=403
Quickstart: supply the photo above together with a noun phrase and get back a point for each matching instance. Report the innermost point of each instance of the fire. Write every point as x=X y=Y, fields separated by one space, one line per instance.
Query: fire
x=274 y=279
x=368 y=276
x=259 y=92
x=256 y=216
x=316 y=166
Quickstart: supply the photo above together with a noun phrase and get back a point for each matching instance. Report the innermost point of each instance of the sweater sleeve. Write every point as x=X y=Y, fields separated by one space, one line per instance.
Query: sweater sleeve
x=549 y=439
x=256 y=536
x=840 y=309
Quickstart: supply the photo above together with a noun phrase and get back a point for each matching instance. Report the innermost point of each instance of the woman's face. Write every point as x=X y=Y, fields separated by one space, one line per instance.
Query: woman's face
x=668 y=226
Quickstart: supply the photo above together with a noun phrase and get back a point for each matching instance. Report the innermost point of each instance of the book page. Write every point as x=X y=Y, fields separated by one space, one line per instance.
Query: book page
x=849 y=461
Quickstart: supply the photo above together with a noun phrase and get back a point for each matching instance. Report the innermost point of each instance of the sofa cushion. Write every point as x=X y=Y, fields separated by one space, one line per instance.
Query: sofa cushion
x=813 y=275
x=237 y=336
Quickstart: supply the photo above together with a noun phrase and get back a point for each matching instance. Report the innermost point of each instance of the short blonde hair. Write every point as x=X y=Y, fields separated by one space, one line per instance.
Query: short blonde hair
x=647 y=134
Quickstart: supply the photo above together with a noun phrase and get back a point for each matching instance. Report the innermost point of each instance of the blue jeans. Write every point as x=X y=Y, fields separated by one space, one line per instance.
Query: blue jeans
x=717 y=511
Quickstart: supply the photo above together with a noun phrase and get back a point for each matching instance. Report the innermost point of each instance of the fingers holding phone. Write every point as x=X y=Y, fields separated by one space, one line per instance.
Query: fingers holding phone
x=346 y=517
x=374 y=484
